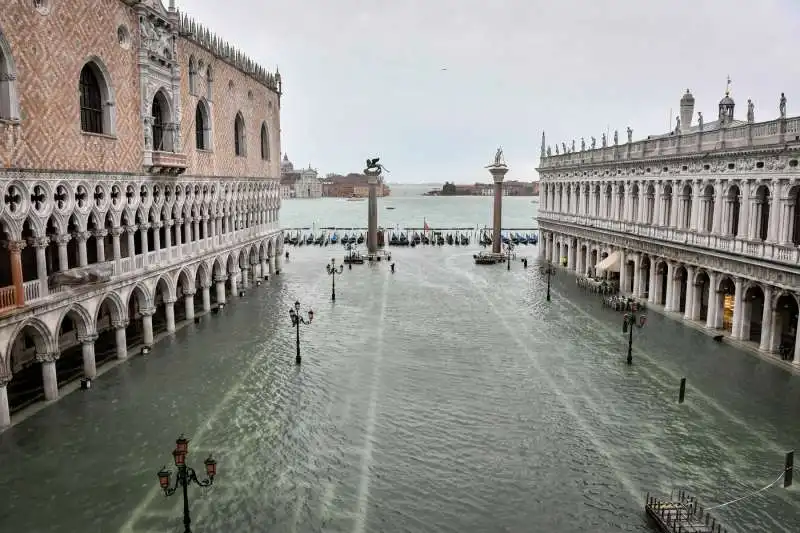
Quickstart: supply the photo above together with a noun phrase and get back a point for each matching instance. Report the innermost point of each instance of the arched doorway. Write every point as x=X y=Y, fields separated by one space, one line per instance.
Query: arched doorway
x=72 y=330
x=752 y=312
x=785 y=325
x=137 y=302
x=27 y=385
x=109 y=316
x=680 y=284
x=726 y=299
x=702 y=286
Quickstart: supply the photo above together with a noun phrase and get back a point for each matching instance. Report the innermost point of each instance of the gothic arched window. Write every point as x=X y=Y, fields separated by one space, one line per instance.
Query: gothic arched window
x=91 y=101
x=264 y=142
x=239 y=138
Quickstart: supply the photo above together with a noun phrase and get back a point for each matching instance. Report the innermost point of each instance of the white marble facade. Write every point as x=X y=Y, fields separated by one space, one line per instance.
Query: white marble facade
x=702 y=221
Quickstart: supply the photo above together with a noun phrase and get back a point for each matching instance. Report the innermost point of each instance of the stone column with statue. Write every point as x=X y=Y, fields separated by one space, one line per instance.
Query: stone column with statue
x=373 y=172
x=498 y=170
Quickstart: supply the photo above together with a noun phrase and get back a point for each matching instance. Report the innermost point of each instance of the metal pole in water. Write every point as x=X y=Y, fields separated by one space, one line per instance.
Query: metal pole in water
x=682 y=393
x=787 y=474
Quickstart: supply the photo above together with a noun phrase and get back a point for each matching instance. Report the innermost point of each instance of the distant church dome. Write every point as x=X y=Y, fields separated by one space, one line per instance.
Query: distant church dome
x=286 y=164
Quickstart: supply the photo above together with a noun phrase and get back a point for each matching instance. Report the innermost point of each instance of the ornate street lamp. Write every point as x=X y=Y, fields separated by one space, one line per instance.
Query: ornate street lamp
x=333 y=272
x=548 y=270
x=629 y=321
x=186 y=475
x=508 y=249
x=297 y=319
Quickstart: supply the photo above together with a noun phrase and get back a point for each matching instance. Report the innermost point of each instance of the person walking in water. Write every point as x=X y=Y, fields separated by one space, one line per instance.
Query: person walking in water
x=392 y=267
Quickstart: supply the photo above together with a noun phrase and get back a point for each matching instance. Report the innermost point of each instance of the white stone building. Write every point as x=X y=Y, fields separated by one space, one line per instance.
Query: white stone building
x=702 y=221
x=136 y=199
x=299 y=183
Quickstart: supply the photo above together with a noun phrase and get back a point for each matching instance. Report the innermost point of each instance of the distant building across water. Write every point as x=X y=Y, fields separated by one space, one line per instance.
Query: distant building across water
x=350 y=186
x=510 y=188
x=302 y=183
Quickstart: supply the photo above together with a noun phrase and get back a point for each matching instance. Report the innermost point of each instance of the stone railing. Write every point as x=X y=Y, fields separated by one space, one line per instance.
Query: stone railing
x=166 y=257
x=788 y=254
x=753 y=135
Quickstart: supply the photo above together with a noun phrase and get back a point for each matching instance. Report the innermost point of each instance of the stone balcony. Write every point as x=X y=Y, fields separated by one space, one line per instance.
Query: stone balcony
x=788 y=254
x=166 y=163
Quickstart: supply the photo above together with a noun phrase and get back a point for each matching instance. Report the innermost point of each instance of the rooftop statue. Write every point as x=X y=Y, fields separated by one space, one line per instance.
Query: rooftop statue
x=616 y=137
x=677 y=124
x=751 y=113
x=594 y=143
x=583 y=144
x=573 y=145
x=700 y=120
x=782 y=106
x=630 y=134
x=549 y=152
x=604 y=141
x=557 y=149
x=564 y=148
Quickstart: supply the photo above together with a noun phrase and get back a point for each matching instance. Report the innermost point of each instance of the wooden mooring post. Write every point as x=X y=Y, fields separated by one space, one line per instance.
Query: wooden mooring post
x=681 y=515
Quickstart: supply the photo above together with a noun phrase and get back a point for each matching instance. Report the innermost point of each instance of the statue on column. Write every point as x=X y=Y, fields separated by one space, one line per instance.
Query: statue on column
x=498 y=157
x=630 y=134
x=616 y=137
x=700 y=120
x=782 y=106
x=751 y=113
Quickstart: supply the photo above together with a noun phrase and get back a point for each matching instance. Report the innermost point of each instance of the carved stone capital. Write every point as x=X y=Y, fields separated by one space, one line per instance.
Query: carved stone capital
x=168 y=301
x=8 y=76
x=16 y=247
x=100 y=234
x=220 y=279
x=157 y=225
x=89 y=339
x=5 y=379
x=145 y=226
x=61 y=240
x=82 y=236
x=189 y=293
x=131 y=229
x=39 y=242
x=147 y=312
x=116 y=232
x=47 y=357
x=119 y=324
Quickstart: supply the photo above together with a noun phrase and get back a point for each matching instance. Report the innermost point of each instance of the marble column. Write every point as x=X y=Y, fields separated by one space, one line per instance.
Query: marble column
x=766 y=321
x=234 y=277
x=115 y=233
x=278 y=262
x=81 y=237
x=245 y=273
x=147 y=326
x=188 y=304
x=713 y=301
x=41 y=243
x=121 y=338
x=15 y=251
x=272 y=264
x=623 y=272
x=265 y=269
x=5 y=411
x=63 y=261
x=143 y=237
x=372 y=215
x=498 y=172
x=737 y=308
x=220 y=282
x=690 y=293
x=49 y=376
x=670 y=286
x=89 y=364
x=157 y=235
x=206 y=298
x=169 y=312
x=637 y=275
x=99 y=237
x=651 y=288
x=131 y=244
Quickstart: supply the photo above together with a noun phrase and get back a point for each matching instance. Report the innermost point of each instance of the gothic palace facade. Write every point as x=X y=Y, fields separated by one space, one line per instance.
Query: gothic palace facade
x=140 y=183
x=703 y=221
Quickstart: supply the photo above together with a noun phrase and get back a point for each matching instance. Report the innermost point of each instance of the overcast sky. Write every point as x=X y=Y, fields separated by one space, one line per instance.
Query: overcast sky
x=364 y=77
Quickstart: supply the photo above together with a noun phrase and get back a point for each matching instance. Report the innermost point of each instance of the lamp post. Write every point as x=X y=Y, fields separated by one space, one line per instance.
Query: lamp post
x=629 y=321
x=186 y=475
x=508 y=249
x=548 y=270
x=297 y=319
x=333 y=272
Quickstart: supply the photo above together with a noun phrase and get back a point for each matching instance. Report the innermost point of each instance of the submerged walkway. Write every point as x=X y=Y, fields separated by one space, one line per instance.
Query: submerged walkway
x=445 y=397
